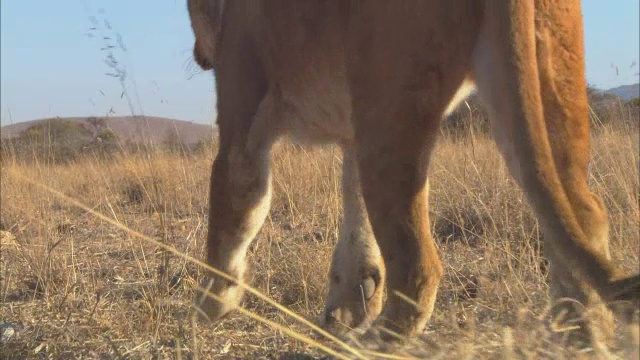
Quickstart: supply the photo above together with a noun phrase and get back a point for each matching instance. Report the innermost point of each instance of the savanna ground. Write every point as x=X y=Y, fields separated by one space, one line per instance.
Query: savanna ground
x=76 y=285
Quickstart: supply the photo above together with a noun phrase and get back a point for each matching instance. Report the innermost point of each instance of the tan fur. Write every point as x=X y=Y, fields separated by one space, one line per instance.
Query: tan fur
x=376 y=76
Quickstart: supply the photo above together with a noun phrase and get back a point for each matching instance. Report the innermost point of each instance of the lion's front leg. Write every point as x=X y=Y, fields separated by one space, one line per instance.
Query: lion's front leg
x=240 y=191
x=357 y=274
x=240 y=199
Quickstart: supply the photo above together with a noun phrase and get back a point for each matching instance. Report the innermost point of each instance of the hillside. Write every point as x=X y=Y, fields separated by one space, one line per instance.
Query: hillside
x=132 y=128
x=626 y=92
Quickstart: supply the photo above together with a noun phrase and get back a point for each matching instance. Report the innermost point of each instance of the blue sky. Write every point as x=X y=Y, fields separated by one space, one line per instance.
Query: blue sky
x=52 y=63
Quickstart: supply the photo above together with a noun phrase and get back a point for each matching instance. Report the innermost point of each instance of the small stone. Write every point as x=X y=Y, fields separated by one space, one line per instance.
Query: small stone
x=9 y=331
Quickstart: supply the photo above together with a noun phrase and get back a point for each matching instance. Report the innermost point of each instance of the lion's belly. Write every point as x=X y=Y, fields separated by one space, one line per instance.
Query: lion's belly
x=316 y=107
x=320 y=110
x=302 y=44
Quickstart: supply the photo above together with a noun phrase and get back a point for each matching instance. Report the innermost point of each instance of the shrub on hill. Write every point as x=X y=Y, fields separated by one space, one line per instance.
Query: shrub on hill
x=58 y=140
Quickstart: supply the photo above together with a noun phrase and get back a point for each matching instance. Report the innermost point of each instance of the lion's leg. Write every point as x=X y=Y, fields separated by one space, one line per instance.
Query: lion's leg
x=357 y=274
x=240 y=181
x=394 y=179
x=240 y=196
x=395 y=134
x=402 y=77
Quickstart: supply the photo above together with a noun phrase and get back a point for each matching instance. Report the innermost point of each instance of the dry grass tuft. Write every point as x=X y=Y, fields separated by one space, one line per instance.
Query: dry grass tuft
x=76 y=285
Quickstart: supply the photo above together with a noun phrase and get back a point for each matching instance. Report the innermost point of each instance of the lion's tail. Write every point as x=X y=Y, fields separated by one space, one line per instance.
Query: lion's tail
x=511 y=31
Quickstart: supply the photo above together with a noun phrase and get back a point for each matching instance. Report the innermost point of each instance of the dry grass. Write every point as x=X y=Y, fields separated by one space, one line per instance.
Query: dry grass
x=77 y=286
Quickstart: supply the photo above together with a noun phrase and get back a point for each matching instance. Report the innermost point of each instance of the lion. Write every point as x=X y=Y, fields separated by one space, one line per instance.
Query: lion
x=376 y=77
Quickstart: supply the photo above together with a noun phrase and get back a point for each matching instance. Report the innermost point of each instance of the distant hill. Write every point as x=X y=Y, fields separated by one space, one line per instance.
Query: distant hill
x=626 y=92
x=132 y=128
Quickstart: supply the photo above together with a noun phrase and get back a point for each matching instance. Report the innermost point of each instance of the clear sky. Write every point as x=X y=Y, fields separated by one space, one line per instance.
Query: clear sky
x=53 y=62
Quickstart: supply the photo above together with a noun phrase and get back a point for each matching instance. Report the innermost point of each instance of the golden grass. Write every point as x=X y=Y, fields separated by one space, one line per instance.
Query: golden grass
x=81 y=285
